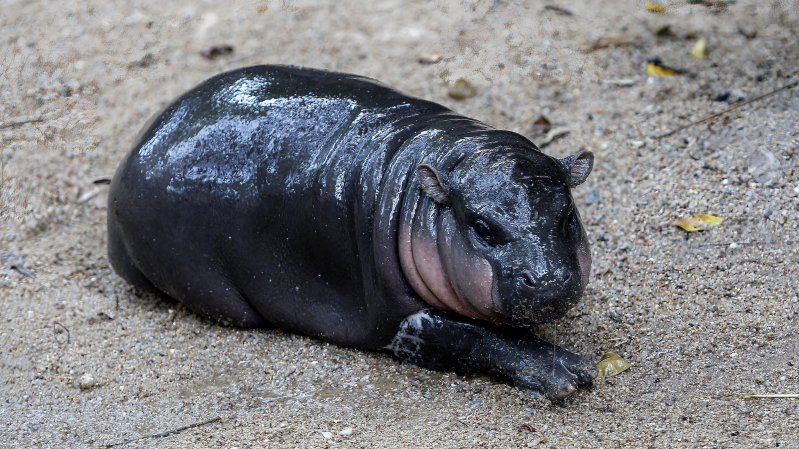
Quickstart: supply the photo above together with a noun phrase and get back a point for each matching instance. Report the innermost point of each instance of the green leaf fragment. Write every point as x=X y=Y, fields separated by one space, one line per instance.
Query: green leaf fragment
x=462 y=90
x=612 y=364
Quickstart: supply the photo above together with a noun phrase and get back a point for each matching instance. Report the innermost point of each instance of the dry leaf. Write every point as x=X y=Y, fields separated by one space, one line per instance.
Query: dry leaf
x=655 y=67
x=216 y=51
x=554 y=133
x=660 y=29
x=698 y=222
x=699 y=50
x=657 y=70
x=612 y=364
x=654 y=7
x=541 y=126
x=462 y=90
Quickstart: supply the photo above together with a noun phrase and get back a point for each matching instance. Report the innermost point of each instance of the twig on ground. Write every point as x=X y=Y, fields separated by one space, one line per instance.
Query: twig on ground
x=737 y=243
x=768 y=395
x=20 y=123
x=730 y=109
x=621 y=82
x=167 y=433
x=552 y=135
x=558 y=9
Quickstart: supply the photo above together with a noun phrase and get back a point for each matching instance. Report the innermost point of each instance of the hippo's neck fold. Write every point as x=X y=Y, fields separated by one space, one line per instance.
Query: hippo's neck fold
x=429 y=262
x=421 y=250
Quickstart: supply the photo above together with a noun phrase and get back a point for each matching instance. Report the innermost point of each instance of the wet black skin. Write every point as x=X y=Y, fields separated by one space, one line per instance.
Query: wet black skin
x=272 y=196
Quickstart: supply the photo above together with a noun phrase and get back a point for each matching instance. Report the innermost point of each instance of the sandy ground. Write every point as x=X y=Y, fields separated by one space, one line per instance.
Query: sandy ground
x=701 y=316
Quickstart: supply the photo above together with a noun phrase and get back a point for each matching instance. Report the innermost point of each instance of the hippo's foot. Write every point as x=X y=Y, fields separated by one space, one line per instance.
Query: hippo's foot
x=548 y=369
x=443 y=341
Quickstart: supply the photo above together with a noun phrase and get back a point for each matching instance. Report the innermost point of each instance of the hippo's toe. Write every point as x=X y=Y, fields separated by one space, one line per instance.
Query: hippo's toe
x=556 y=378
x=585 y=371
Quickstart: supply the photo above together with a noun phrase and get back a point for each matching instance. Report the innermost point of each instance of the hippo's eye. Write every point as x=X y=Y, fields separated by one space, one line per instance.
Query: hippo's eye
x=483 y=231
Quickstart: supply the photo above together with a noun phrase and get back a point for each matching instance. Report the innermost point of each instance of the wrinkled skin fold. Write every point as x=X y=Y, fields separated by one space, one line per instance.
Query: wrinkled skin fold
x=331 y=205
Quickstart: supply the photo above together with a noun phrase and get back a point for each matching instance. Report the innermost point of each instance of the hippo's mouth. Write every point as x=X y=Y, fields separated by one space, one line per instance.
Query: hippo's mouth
x=527 y=312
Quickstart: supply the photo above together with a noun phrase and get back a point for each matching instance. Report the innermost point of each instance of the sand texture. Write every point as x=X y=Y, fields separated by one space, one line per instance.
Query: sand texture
x=86 y=362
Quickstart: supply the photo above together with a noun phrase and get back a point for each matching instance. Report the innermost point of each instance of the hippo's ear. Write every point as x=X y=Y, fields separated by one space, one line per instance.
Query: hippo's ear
x=577 y=167
x=432 y=183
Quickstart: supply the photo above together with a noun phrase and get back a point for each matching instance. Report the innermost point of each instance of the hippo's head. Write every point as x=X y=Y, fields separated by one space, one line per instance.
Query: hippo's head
x=508 y=234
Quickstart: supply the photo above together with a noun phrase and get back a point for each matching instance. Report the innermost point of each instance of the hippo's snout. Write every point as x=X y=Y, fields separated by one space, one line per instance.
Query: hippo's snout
x=537 y=298
x=530 y=283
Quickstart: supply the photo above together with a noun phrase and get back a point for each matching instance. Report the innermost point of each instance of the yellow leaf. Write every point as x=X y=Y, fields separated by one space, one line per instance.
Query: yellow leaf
x=699 y=50
x=698 y=222
x=655 y=7
x=612 y=364
x=653 y=69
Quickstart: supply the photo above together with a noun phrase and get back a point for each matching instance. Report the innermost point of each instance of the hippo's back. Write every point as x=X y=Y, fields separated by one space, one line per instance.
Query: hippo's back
x=262 y=124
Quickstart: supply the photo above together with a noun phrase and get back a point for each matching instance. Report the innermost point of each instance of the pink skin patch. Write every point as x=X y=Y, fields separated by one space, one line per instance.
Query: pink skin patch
x=431 y=266
x=471 y=275
x=410 y=270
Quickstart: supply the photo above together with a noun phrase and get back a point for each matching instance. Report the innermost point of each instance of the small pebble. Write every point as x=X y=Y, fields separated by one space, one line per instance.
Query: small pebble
x=87 y=382
x=347 y=431
x=146 y=60
x=723 y=96
x=764 y=166
x=429 y=58
x=327 y=435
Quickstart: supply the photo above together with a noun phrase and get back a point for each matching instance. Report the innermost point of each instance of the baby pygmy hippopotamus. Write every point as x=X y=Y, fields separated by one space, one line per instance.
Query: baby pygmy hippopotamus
x=331 y=205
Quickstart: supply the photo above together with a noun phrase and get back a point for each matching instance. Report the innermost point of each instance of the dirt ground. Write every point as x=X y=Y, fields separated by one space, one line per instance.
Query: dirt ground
x=702 y=317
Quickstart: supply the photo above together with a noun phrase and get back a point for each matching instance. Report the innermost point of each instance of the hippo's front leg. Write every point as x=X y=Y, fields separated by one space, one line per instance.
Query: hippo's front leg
x=444 y=341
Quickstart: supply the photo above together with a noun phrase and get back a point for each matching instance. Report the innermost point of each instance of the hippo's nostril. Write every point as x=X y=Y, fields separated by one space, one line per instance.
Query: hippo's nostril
x=527 y=280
